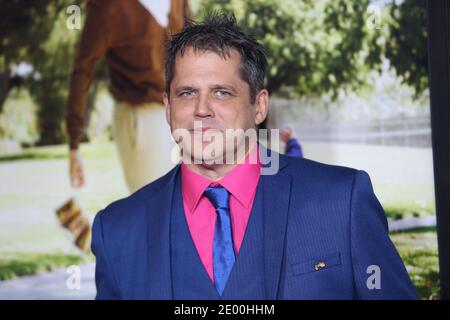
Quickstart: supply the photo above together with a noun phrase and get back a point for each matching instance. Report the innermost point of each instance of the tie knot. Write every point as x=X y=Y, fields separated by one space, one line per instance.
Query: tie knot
x=219 y=197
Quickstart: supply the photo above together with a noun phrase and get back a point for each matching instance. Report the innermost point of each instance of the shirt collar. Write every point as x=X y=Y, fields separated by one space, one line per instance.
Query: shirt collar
x=241 y=182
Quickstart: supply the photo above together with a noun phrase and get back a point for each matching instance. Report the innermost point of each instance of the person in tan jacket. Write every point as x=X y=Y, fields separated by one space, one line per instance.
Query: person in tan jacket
x=131 y=35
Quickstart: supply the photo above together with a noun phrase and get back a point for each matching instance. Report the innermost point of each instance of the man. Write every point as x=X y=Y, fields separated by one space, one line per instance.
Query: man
x=312 y=231
x=292 y=146
x=131 y=35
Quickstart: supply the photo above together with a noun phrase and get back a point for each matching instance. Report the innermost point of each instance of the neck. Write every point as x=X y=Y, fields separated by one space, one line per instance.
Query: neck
x=216 y=172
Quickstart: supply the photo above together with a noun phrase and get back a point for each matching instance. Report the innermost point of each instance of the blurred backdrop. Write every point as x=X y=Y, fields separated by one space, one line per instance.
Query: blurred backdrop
x=348 y=76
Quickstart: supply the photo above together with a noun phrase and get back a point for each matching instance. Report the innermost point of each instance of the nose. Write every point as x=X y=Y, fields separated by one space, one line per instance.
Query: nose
x=203 y=107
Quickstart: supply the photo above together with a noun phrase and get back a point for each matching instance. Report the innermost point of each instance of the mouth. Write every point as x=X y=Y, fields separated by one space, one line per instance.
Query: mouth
x=203 y=129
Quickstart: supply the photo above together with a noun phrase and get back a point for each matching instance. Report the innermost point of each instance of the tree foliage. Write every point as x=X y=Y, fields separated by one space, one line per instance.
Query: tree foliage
x=24 y=26
x=49 y=85
x=36 y=33
x=324 y=46
x=314 y=47
x=406 y=48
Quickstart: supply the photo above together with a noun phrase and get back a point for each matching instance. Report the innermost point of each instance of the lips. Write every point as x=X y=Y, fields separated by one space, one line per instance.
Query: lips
x=202 y=130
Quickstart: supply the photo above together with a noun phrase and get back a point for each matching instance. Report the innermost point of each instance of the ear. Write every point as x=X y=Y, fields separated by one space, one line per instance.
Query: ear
x=167 y=104
x=261 y=106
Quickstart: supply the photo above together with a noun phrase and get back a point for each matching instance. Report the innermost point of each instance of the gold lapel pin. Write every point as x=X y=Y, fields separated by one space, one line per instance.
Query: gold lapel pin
x=319 y=265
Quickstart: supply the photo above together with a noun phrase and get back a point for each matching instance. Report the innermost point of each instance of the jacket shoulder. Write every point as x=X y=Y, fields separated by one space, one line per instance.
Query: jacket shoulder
x=306 y=168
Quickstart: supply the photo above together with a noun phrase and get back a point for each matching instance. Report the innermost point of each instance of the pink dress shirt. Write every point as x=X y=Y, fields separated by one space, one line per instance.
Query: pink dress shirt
x=200 y=214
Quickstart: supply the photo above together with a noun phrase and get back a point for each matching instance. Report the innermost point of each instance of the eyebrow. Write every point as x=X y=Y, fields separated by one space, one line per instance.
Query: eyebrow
x=224 y=86
x=184 y=88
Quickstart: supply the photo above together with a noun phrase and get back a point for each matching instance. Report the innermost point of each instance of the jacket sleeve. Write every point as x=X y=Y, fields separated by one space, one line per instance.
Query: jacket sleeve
x=105 y=281
x=93 y=45
x=378 y=270
x=187 y=10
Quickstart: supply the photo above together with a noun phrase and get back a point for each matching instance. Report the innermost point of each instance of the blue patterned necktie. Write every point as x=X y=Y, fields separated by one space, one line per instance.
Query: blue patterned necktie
x=223 y=251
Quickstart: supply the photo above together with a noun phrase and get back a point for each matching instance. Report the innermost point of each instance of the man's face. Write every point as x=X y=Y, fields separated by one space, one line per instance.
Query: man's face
x=207 y=88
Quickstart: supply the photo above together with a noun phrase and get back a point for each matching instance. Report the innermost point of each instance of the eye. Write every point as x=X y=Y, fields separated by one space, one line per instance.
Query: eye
x=222 y=93
x=187 y=94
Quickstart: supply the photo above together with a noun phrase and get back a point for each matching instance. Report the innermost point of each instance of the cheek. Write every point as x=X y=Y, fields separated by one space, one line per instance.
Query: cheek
x=234 y=116
x=180 y=115
x=244 y=117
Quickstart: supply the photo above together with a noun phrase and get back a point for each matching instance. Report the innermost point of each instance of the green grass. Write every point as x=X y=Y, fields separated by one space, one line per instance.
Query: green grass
x=16 y=265
x=93 y=151
x=400 y=212
x=32 y=156
x=418 y=249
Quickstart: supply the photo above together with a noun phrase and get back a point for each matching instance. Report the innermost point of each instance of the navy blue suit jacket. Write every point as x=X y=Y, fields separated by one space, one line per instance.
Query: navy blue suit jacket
x=326 y=237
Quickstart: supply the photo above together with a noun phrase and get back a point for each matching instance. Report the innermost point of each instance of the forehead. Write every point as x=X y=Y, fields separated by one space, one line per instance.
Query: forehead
x=194 y=63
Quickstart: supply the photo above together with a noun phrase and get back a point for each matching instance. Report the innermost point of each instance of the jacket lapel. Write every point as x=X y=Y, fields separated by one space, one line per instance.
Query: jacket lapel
x=159 y=208
x=276 y=192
